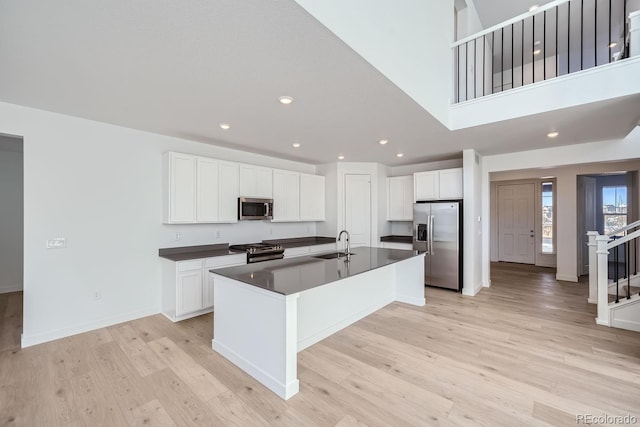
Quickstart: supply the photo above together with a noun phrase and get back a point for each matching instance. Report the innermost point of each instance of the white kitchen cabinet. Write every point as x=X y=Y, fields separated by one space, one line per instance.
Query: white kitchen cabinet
x=443 y=184
x=312 y=195
x=187 y=286
x=400 y=198
x=207 y=198
x=286 y=196
x=180 y=186
x=450 y=184
x=256 y=181
x=199 y=189
x=189 y=292
x=228 y=192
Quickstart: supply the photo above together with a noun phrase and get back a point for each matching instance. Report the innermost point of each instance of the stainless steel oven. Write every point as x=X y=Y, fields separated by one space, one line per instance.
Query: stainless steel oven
x=254 y=209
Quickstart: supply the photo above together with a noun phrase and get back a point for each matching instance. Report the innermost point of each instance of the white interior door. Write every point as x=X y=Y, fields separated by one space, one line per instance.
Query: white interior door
x=516 y=223
x=358 y=209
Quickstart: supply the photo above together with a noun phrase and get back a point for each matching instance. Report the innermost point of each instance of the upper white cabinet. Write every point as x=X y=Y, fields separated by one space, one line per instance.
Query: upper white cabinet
x=286 y=196
x=444 y=184
x=400 y=198
x=199 y=189
x=256 y=181
x=312 y=197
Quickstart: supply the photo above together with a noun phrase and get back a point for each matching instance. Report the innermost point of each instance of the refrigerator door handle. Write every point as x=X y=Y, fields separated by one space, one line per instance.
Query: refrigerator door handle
x=415 y=232
x=431 y=223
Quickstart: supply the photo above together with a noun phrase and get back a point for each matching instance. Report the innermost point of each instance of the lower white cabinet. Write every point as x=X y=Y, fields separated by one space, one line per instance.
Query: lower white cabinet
x=187 y=286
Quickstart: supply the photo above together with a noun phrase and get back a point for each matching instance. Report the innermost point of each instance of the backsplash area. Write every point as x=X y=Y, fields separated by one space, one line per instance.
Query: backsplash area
x=241 y=232
x=401 y=228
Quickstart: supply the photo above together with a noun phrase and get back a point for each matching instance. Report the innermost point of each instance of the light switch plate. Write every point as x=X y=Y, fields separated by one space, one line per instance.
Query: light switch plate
x=57 y=243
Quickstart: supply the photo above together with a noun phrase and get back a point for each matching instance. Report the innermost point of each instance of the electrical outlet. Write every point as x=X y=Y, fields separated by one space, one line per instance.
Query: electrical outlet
x=177 y=236
x=97 y=294
x=57 y=243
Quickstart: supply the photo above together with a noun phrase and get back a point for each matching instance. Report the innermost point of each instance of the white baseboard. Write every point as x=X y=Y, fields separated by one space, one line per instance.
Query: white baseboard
x=420 y=302
x=284 y=391
x=29 y=340
x=566 y=277
x=486 y=284
x=592 y=301
x=626 y=324
x=472 y=292
x=602 y=322
x=14 y=288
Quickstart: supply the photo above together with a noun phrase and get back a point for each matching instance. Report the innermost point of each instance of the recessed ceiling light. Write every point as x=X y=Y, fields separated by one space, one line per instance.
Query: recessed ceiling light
x=534 y=7
x=399 y=155
x=340 y=157
x=296 y=145
x=286 y=100
x=225 y=126
x=383 y=141
x=537 y=52
x=612 y=45
x=553 y=135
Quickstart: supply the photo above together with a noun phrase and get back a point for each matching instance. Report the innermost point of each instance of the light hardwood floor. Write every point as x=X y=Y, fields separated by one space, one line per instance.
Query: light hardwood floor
x=524 y=352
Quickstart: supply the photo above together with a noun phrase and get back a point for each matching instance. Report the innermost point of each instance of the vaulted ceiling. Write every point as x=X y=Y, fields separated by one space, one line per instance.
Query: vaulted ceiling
x=183 y=68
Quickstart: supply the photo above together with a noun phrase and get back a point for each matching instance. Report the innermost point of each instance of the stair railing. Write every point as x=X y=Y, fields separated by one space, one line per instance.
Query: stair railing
x=558 y=38
x=603 y=245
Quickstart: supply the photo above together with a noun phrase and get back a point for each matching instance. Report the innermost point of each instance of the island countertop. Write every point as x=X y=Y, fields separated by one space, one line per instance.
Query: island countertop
x=290 y=276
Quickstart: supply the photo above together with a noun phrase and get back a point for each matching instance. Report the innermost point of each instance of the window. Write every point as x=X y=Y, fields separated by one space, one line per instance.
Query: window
x=547 y=217
x=614 y=209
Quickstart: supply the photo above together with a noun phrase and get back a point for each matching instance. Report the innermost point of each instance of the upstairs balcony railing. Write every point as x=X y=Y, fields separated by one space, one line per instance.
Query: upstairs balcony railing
x=559 y=38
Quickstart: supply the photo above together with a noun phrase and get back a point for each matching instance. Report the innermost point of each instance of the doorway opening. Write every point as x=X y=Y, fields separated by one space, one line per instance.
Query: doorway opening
x=11 y=241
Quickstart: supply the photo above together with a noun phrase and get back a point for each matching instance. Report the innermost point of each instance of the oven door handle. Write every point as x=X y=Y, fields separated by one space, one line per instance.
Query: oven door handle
x=266 y=206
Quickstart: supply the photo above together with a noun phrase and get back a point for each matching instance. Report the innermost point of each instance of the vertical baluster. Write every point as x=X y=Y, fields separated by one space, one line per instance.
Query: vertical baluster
x=502 y=61
x=493 y=50
x=484 y=61
x=595 y=33
x=533 y=48
x=624 y=32
x=582 y=34
x=512 y=83
x=615 y=273
x=475 y=70
x=626 y=270
x=522 y=56
x=458 y=72
x=610 y=37
x=568 y=36
x=557 y=67
x=635 y=256
x=466 y=71
x=544 y=45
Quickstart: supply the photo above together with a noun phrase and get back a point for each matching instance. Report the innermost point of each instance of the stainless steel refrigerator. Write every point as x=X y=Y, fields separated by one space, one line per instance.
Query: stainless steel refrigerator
x=437 y=231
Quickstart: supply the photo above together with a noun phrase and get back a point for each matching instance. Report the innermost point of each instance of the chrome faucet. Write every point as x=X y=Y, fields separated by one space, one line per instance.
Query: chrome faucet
x=348 y=250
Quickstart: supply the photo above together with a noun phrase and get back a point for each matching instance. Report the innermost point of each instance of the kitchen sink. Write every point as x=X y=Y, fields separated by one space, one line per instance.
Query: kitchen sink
x=333 y=255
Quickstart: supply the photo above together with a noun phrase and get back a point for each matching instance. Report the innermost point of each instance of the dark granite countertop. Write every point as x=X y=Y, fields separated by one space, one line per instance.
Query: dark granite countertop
x=297 y=242
x=397 y=239
x=293 y=275
x=185 y=253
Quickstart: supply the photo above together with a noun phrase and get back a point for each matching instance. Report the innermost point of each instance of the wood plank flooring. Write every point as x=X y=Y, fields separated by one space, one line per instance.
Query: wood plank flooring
x=524 y=352
x=10 y=320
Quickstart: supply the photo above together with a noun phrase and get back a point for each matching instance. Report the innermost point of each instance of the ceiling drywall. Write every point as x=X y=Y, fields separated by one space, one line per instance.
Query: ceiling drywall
x=182 y=68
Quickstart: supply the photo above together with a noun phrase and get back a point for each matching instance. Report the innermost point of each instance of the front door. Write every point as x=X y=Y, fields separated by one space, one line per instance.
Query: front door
x=516 y=223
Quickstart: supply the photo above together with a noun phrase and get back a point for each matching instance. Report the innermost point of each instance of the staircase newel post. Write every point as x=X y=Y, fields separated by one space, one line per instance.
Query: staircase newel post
x=593 y=267
x=603 y=294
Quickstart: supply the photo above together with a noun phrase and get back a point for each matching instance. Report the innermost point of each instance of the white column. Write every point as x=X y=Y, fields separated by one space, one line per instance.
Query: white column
x=593 y=267
x=603 y=294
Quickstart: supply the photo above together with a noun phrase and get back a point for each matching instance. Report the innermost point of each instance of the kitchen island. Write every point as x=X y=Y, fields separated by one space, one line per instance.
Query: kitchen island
x=267 y=312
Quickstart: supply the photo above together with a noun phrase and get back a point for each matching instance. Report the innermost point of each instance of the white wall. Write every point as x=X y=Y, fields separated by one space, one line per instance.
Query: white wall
x=410 y=45
x=424 y=167
x=100 y=187
x=565 y=163
x=11 y=212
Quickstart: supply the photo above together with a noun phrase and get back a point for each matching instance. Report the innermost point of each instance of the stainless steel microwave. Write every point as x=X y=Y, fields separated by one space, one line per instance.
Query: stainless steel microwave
x=254 y=209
